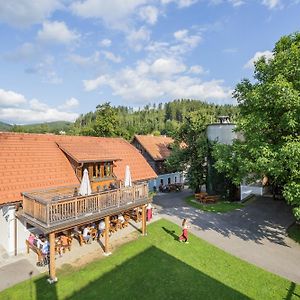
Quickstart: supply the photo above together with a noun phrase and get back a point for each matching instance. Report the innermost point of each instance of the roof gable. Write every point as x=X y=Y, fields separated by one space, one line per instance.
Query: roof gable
x=158 y=147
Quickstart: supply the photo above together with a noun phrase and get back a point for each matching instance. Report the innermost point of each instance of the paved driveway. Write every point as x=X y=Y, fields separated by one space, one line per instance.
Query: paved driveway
x=255 y=233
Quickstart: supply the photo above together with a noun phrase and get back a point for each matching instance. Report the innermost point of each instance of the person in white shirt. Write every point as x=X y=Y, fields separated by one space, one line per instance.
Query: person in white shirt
x=86 y=235
x=101 y=228
x=121 y=218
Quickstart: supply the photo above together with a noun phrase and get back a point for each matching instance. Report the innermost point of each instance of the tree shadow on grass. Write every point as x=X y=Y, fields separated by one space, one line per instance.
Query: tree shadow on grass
x=154 y=274
x=171 y=233
x=291 y=292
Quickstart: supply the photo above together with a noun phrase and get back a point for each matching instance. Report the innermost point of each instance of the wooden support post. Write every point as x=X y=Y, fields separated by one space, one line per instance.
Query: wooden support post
x=52 y=271
x=144 y=229
x=106 y=242
x=137 y=214
x=16 y=236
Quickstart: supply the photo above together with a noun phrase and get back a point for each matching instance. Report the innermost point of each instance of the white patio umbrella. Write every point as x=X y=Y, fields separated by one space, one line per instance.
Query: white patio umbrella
x=127 y=180
x=85 y=186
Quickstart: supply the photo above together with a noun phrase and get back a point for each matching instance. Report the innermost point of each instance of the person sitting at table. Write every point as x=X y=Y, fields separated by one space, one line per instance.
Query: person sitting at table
x=38 y=242
x=64 y=244
x=101 y=228
x=45 y=247
x=86 y=235
x=121 y=219
x=31 y=239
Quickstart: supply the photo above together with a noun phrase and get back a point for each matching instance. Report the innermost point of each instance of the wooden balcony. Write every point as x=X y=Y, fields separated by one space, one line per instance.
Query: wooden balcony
x=55 y=209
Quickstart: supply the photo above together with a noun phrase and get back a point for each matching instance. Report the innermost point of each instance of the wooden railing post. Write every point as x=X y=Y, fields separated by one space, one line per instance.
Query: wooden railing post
x=47 y=215
x=75 y=208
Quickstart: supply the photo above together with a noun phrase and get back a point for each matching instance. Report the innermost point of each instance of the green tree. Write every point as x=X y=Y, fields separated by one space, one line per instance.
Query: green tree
x=194 y=155
x=107 y=121
x=270 y=121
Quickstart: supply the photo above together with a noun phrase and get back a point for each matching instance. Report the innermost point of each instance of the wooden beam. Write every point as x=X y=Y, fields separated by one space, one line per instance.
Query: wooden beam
x=16 y=235
x=52 y=271
x=144 y=229
x=106 y=242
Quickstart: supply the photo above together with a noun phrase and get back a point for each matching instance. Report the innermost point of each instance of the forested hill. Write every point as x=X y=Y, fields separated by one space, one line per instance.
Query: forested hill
x=154 y=119
x=5 y=126
x=47 y=127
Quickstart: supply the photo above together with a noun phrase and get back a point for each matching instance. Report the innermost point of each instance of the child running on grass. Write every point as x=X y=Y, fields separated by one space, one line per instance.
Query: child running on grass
x=184 y=235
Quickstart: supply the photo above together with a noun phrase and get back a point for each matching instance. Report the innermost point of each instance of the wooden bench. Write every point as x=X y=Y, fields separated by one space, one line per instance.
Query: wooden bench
x=200 y=196
x=205 y=198
x=40 y=256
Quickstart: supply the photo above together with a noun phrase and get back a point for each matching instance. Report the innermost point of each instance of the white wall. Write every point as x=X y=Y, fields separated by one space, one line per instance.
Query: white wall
x=176 y=177
x=221 y=133
x=7 y=231
x=247 y=190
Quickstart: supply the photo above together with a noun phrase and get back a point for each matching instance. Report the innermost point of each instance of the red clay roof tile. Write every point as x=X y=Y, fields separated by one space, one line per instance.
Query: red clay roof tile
x=156 y=146
x=31 y=161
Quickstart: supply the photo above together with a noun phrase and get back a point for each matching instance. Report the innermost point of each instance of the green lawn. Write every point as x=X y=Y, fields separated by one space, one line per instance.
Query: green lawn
x=294 y=232
x=221 y=206
x=159 y=267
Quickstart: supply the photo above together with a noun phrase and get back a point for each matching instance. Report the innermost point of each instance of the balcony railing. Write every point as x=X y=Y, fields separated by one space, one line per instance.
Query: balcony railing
x=52 y=212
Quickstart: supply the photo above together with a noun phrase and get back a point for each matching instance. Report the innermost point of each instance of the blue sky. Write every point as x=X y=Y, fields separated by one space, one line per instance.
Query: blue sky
x=60 y=58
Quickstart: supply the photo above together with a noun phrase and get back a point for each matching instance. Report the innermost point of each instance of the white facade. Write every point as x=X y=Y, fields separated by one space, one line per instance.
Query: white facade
x=221 y=133
x=165 y=179
x=7 y=231
x=252 y=189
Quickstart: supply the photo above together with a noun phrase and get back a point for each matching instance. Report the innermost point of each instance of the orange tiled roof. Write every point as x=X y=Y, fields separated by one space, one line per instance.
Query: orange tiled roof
x=34 y=161
x=90 y=150
x=30 y=161
x=157 y=146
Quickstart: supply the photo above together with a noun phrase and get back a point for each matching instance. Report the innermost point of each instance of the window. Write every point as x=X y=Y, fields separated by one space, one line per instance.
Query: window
x=169 y=180
x=162 y=181
x=175 y=179
x=107 y=170
x=97 y=170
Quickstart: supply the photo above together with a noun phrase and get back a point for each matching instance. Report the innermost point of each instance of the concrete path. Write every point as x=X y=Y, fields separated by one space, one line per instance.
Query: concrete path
x=255 y=233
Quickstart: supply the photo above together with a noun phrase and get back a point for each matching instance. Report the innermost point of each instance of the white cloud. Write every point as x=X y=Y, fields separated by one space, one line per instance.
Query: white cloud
x=38 y=106
x=250 y=64
x=271 y=4
x=114 y=13
x=196 y=69
x=10 y=98
x=186 y=3
x=149 y=14
x=17 y=109
x=25 y=115
x=69 y=104
x=183 y=42
x=84 y=60
x=138 y=38
x=45 y=68
x=112 y=57
x=163 y=66
x=105 y=43
x=190 y=40
x=22 y=13
x=24 y=52
x=56 y=32
x=236 y=3
x=180 y=3
x=162 y=78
